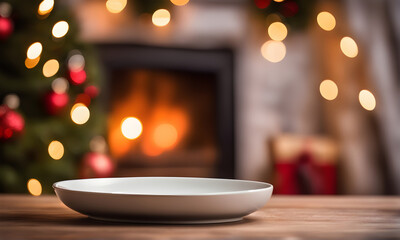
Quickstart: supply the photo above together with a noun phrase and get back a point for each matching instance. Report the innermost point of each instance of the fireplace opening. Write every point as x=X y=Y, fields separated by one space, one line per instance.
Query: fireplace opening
x=170 y=111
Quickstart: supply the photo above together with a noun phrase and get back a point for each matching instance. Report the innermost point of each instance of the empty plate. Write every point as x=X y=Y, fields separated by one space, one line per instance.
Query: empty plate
x=174 y=200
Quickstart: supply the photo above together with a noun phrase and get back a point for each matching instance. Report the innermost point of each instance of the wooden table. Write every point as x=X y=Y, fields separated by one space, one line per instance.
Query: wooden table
x=284 y=217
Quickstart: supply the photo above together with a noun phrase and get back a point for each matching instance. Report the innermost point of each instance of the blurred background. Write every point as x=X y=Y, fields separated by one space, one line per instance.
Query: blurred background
x=302 y=94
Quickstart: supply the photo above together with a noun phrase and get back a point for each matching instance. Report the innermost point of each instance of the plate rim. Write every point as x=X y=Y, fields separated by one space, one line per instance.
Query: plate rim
x=266 y=187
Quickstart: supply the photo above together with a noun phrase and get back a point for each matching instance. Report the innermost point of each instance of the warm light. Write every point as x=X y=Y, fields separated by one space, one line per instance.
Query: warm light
x=34 y=50
x=12 y=101
x=115 y=6
x=80 y=113
x=77 y=77
x=161 y=17
x=60 y=29
x=367 y=100
x=45 y=7
x=179 y=2
x=50 y=68
x=31 y=63
x=131 y=128
x=277 y=31
x=328 y=89
x=279 y=0
x=165 y=136
x=273 y=51
x=349 y=47
x=56 y=150
x=326 y=21
x=60 y=85
x=34 y=187
x=76 y=62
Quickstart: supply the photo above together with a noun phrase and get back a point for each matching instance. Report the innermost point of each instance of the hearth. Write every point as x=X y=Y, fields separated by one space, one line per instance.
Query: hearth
x=170 y=110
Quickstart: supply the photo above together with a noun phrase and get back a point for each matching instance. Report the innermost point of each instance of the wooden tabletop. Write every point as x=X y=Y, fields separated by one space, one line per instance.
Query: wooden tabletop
x=284 y=217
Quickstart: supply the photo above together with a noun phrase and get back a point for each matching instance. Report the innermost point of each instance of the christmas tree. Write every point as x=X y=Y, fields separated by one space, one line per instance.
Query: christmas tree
x=51 y=123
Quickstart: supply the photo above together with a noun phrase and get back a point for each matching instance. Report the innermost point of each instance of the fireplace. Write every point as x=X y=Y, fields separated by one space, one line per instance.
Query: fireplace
x=170 y=110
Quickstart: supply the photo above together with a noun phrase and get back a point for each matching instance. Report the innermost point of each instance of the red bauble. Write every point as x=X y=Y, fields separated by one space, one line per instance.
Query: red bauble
x=261 y=4
x=56 y=102
x=77 y=77
x=6 y=27
x=96 y=165
x=92 y=91
x=290 y=8
x=11 y=123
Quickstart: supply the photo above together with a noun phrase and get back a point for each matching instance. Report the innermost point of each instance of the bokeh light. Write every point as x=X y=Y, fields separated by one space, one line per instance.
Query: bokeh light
x=131 y=128
x=80 y=114
x=77 y=77
x=179 y=2
x=326 y=21
x=60 y=85
x=34 y=187
x=328 y=89
x=273 y=51
x=34 y=50
x=45 y=7
x=161 y=17
x=262 y=4
x=50 y=68
x=349 y=47
x=279 y=0
x=165 y=136
x=277 y=31
x=31 y=63
x=116 y=6
x=76 y=62
x=60 y=29
x=12 y=101
x=367 y=100
x=56 y=150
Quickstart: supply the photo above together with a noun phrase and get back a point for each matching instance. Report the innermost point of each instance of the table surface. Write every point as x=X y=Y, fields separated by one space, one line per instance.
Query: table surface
x=284 y=217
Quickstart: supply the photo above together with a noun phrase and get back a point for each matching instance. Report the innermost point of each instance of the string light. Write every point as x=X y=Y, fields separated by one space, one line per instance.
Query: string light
x=328 y=89
x=60 y=29
x=326 y=21
x=60 y=85
x=34 y=50
x=161 y=17
x=349 y=47
x=56 y=150
x=279 y=0
x=12 y=101
x=179 y=2
x=80 y=114
x=367 y=100
x=45 y=7
x=76 y=62
x=115 y=6
x=34 y=187
x=31 y=63
x=165 y=136
x=131 y=128
x=277 y=31
x=273 y=51
x=50 y=68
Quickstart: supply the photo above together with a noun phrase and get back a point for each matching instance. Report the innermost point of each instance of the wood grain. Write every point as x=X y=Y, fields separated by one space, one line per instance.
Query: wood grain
x=284 y=217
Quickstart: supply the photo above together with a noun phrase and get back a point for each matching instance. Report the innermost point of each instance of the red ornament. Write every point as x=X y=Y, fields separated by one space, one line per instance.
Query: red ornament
x=83 y=98
x=56 y=102
x=96 y=165
x=11 y=123
x=6 y=27
x=261 y=4
x=92 y=91
x=290 y=8
x=77 y=77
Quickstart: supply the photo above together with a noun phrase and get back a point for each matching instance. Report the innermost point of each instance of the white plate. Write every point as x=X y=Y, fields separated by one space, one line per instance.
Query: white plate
x=172 y=200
